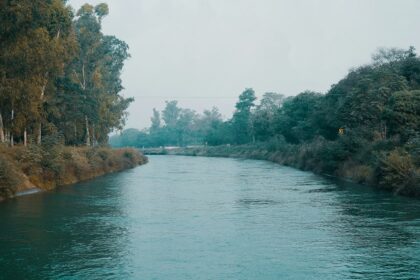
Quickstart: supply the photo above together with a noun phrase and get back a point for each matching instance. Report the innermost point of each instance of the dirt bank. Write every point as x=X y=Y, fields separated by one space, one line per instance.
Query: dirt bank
x=25 y=168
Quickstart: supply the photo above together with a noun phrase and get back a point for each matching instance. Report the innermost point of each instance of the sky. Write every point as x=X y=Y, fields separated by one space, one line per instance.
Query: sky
x=204 y=53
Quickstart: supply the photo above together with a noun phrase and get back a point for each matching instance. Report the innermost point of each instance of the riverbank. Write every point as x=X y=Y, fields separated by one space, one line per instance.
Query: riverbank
x=23 y=169
x=393 y=172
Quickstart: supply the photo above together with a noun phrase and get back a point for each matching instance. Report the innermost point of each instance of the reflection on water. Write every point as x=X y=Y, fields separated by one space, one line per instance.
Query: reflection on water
x=210 y=218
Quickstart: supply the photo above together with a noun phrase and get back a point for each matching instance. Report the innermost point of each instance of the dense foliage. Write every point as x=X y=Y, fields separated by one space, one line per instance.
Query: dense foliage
x=59 y=74
x=366 y=127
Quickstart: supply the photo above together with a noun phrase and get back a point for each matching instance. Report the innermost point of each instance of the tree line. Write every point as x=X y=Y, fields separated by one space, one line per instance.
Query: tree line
x=366 y=127
x=379 y=101
x=59 y=74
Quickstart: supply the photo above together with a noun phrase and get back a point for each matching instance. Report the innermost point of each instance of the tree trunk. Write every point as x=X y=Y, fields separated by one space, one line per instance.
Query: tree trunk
x=94 y=142
x=87 y=132
x=1 y=129
x=11 y=133
x=44 y=86
x=7 y=136
x=383 y=129
x=39 y=136
x=83 y=77
x=25 y=138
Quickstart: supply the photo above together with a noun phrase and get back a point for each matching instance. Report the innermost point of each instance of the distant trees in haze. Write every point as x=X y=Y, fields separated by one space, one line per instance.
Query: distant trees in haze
x=173 y=126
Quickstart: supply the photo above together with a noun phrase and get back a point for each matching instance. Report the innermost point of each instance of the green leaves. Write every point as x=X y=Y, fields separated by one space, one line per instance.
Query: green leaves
x=56 y=70
x=101 y=10
x=241 y=119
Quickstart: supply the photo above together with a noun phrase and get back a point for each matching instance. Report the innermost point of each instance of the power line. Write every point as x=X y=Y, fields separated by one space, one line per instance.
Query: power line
x=186 y=97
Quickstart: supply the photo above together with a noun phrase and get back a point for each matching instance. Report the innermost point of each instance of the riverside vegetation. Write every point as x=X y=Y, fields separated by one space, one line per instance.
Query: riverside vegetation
x=46 y=167
x=59 y=95
x=366 y=128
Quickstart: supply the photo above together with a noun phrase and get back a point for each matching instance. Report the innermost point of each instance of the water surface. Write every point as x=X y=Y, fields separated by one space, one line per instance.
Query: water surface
x=210 y=218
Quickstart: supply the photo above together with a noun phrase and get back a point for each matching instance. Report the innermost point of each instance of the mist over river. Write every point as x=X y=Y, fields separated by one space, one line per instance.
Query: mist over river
x=210 y=218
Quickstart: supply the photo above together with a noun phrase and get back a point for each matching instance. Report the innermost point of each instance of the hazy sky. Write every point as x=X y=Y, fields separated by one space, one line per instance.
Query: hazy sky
x=206 y=52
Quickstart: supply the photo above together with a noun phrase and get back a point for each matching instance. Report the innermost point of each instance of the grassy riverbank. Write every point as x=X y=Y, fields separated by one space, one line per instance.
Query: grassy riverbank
x=395 y=171
x=46 y=167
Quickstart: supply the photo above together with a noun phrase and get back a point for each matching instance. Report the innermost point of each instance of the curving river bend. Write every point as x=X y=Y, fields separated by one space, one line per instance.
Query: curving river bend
x=210 y=218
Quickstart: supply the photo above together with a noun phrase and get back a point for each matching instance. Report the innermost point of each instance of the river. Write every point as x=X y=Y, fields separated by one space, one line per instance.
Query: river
x=210 y=218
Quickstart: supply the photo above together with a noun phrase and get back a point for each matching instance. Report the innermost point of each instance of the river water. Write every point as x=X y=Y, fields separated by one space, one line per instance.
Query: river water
x=210 y=218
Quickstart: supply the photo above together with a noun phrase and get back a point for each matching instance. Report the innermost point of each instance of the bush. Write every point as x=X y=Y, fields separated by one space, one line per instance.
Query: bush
x=10 y=178
x=398 y=173
x=128 y=154
x=52 y=160
x=277 y=143
x=103 y=154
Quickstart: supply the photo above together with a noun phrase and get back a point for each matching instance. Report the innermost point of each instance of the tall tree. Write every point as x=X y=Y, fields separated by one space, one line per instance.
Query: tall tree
x=242 y=117
x=94 y=79
x=171 y=113
x=295 y=118
x=35 y=43
x=155 y=119
x=264 y=116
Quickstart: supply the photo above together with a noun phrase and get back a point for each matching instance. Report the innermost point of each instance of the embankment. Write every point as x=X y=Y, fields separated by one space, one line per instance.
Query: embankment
x=45 y=168
x=394 y=172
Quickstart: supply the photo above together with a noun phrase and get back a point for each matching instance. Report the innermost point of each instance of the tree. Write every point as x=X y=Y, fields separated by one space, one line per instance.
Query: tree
x=391 y=56
x=295 y=118
x=264 y=115
x=185 y=129
x=59 y=74
x=403 y=114
x=35 y=43
x=155 y=119
x=129 y=137
x=93 y=78
x=171 y=113
x=101 y=10
x=220 y=133
x=205 y=122
x=242 y=117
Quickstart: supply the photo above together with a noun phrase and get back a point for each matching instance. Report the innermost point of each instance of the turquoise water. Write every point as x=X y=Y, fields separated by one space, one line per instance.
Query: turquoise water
x=210 y=218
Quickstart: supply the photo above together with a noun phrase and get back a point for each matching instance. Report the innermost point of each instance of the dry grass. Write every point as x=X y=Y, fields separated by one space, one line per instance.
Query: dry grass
x=49 y=167
x=398 y=172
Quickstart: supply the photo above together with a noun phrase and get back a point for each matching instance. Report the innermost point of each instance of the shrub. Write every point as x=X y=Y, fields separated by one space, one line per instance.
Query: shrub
x=277 y=143
x=67 y=155
x=10 y=178
x=128 y=154
x=398 y=173
x=52 y=160
x=103 y=154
